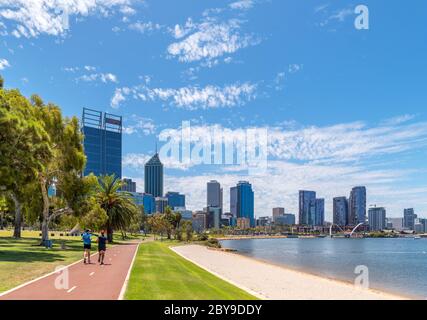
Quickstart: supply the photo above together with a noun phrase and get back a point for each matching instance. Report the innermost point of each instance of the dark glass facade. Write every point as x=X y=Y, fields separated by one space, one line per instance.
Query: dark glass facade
x=102 y=143
x=154 y=177
x=175 y=200
x=357 y=206
x=245 y=202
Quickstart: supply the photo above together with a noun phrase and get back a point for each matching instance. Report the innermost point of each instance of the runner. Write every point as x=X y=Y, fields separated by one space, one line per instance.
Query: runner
x=102 y=247
x=87 y=244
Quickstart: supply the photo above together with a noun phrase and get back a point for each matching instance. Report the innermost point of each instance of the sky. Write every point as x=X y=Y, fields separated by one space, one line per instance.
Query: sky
x=342 y=106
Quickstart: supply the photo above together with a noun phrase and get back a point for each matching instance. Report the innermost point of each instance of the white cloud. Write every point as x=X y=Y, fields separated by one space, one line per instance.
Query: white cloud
x=242 y=5
x=191 y=97
x=30 y=18
x=140 y=125
x=144 y=27
x=209 y=40
x=103 y=77
x=4 y=64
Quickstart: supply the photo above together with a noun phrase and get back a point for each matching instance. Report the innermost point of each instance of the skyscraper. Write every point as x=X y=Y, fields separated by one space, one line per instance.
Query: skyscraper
x=242 y=202
x=154 y=177
x=233 y=202
x=357 y=206
x=377 y=219
x=340 y=211
x=130 y=186
x=409 y=217
x=307 y=207
x=319 y=219
x=214 y=194
x=102 y=143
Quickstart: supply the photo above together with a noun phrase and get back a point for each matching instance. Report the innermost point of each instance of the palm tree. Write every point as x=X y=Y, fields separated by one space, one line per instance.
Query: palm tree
x=119 y=206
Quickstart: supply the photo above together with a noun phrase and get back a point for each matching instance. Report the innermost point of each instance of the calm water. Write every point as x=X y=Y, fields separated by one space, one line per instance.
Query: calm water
x=395 y=265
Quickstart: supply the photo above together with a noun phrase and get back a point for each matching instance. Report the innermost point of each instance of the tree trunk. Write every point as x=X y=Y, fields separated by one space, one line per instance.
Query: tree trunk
x=45 y=223
x=18 y=217
x=110 y=233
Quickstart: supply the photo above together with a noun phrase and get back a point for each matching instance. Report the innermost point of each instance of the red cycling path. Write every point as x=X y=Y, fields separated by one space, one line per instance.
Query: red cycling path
x=85 y=281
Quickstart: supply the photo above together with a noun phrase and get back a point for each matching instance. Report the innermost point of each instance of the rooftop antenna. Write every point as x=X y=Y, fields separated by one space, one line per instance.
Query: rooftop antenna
x=156 y=147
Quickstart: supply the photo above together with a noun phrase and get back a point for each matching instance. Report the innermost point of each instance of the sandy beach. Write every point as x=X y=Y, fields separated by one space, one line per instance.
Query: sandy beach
x=272 y=282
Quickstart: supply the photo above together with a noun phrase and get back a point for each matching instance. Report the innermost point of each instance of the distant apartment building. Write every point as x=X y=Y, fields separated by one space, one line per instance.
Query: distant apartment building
x=213 y=215
x=175 y=200
x=409 y=218
x=311 y=209
x=285 y=220
x=264 y=221
x=319 y=219
x=307 y=201
x=377 y=219
x=149 y=203
x=357 y=206
x=340 y=211
x=243 y=223
x=396 y=223
x=199 y=221
x=129 y=185
x=185 y=214
x=102 y=142
x=277 y=212
x=161 y=204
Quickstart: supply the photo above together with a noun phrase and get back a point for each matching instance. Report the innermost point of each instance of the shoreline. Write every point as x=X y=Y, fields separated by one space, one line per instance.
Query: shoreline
x=275 y=281
x=330 y=278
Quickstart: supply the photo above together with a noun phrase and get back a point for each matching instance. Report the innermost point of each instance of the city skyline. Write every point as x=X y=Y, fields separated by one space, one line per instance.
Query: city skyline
x=332 y=125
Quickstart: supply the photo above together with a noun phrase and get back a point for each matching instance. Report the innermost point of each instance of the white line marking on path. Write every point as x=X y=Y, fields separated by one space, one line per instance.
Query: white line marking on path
x=69 y=291
x=91 y=274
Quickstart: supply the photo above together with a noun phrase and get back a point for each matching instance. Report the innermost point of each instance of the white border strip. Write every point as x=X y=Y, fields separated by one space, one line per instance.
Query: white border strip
x=125 y=284
x=250 y=291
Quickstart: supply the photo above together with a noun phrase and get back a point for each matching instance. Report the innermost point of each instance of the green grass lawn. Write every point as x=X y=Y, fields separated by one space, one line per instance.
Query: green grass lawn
x=23 y=260
x=161 y=274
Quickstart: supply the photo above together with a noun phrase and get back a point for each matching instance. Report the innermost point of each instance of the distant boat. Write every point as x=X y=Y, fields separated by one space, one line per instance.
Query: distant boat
x=417 y=238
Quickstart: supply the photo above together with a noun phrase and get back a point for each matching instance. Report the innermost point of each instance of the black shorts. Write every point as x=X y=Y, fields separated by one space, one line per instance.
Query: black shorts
x=87 y=246
x=102 y=249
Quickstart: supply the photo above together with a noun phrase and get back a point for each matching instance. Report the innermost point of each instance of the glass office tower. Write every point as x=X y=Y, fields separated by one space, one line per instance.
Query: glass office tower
x=102 y=143
x=357 y=206
x=307 y=207
x=245 y=202
x=175 y=200
x=154 y=177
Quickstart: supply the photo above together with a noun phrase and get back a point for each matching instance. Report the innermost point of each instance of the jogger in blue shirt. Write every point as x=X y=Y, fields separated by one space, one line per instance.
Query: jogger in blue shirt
x=87 y=244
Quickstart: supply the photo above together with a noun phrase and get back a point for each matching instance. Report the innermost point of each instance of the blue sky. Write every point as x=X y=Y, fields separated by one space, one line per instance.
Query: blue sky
x=343 y=107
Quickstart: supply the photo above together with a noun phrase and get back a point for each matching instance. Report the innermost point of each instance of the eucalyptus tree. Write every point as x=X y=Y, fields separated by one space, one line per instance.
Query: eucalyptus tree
x=24 y=149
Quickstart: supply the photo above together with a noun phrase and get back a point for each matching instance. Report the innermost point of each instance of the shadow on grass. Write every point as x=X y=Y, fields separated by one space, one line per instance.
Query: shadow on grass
x=29 y=250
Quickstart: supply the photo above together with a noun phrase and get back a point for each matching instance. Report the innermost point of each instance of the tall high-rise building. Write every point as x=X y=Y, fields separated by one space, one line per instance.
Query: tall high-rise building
x=129 y=185
x=214 y=194
x=102 y=143
x=307 y=207
x=340 y=209
x=154 y=176
x=242 y=202
x=319 y=219
x=233 y=202
x=377 y=219
x=409 y=217
x=357 y=206
x=175 y=200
